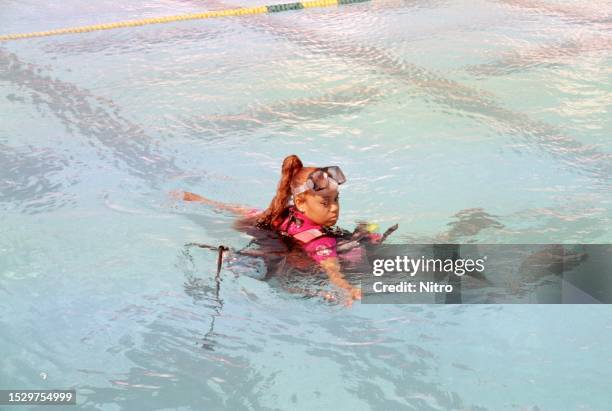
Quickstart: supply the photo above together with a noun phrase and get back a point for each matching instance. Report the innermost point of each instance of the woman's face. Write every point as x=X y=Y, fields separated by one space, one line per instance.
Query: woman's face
x=322 y=208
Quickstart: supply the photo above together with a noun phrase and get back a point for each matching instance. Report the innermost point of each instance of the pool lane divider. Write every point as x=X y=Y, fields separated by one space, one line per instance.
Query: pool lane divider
x=275 y=8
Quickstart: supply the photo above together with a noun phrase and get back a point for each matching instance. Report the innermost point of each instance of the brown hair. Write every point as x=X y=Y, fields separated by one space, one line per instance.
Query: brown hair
x=293 y=173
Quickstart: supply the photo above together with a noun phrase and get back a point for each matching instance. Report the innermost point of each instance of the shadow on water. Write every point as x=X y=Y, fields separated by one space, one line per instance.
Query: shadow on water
x=290 y=113
x=468 y=223
x=463 y=227
x=170 y=373
x=469 y=102
x=386 y=377
x=463 y=100
x=573 y=13
x=549 y=55
x=27 y=179
x=97 y=119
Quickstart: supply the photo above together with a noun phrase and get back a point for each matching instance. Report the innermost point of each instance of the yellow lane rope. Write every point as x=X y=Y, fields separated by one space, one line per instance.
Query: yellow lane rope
x=275 y=8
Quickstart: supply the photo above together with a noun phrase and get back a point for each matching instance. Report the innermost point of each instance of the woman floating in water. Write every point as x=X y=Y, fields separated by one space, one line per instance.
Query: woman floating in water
x=303 y=211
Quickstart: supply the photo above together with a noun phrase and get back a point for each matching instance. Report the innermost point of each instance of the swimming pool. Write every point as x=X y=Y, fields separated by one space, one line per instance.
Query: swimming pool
x=485 y=121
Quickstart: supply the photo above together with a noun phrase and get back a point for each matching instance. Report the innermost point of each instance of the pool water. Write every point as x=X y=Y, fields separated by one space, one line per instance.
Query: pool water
x=485 y=121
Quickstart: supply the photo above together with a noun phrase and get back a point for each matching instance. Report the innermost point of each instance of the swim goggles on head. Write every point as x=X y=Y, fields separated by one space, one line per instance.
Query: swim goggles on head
x=321 y=179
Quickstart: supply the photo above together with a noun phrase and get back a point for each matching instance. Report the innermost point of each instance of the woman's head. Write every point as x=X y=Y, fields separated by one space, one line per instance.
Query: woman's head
x=322 y=206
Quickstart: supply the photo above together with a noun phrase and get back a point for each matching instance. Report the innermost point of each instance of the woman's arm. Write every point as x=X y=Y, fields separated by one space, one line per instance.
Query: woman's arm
x=332 y=268
x=323 y=251
x=239 y=210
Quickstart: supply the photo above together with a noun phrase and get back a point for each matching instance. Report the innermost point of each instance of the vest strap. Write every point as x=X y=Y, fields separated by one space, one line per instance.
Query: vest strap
x=308 y=235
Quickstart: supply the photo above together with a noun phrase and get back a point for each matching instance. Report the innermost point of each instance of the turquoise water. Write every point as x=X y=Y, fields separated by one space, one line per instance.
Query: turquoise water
x=483 y=121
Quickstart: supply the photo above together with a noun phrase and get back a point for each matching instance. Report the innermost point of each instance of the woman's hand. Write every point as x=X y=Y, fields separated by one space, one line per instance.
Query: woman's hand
x=346 y=296
x=185 y=195
x=328 y=296
x=352 y=295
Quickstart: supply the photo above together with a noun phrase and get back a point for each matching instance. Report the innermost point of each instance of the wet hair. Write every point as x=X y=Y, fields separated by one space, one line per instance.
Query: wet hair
x=293 y=173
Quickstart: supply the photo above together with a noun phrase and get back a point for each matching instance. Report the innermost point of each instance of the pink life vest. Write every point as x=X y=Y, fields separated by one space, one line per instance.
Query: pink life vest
x=310 y=235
